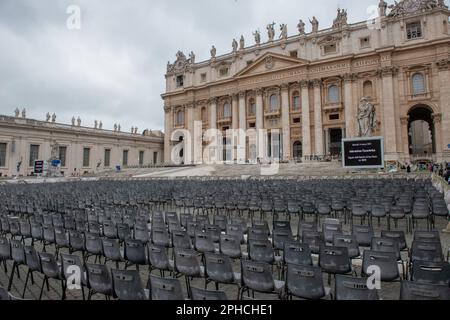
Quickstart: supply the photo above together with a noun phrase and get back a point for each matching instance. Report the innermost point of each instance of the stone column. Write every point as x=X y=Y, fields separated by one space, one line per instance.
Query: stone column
x=242 y=128
x=213 y=113
x=405 y=137
x=260 y=124
x=318 y=117
x=306 y=125
x=286 y=122
x=389 y=113
x=349 y=106
x=168 y=127
x=189 y=143
x=235 y=111
x=444 y=83
x=437 y=119
x=327 y=141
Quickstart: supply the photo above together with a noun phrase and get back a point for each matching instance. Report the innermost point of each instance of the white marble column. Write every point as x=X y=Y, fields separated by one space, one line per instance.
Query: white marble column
x=444 y=133
x=318 y=117
x=260 y=124
x=306 y=123
x=286 y=122
x=242 y=128
x=389 y=114
x=349 y=107
x=168 y=128
x=235 y=111
x=405 y=138
x=189 y=142
x=213 y=113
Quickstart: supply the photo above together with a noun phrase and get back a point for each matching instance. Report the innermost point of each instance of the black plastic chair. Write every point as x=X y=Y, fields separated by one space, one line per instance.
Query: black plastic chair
x=386 y=261
x=18 y=258
x=230 y=246
x=334 y=260
x=94 y=246
x=5 y=252
x=418 y=291
x=99 y=280
x=111 y=251
x=165 y=289
x=187 y=264
x=51 y=270
x=257 y=277
x=218 y=269
x=134 y=253
x=305 y=282
x=202 y=295
x=158 y=259
x=180 y=239
x=352 y=288
x=348 y=241
x=297 y=254
x=431 y=272
x=34 y=265
x=203 y=242
x=127 y=285
x=69 y=261
x=363 y=235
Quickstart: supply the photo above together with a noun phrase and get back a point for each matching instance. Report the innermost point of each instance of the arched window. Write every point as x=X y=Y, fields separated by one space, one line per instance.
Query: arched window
x=180 y=117
x=226 y=110
x=273 y=102
x=418 y=84
x=296 y=101
x=368 y=89
x=333 y=94
x=252 y=107
x=204 y=115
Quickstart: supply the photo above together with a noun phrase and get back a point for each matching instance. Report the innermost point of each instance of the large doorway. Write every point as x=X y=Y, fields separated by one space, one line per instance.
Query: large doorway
x=297 y=150
x=274 y=145
x=421 y=134
x=335 y=142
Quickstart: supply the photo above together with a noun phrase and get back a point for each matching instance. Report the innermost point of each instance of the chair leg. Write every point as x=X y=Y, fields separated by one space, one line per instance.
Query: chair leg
x=26 y=282
x=12 y=276
x=42 y=287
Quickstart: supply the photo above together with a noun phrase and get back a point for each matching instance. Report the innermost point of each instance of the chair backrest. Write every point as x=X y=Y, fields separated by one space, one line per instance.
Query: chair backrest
x=5 y=249
x=69 y=261
x=397 y=235
x=123 y=231
x=218 y=268
x=187 y=262
x=426 y=251
x=431 y=272
x=160 y=236
x=280 y=237
x=17 y=251
x=203 y=242
x=334 y=259
x=305 y=282
x=134 y=251
x=165 y=288
x=329 y=229
x=386 y=245
x=386 y=261
x=261 y=251
x=351 y=288
x=230 y=246
x=158 y=258
x=49 y=265
x=348 y=241
x=257 y=276
x=111 y=249
x=127 y=285
x=99 y=278
x=76 y=240
x=32 y=258
x=419 y=291
x=297 y=253
x=363 y=234
x=93 y=243
x=201 y=294
x=427 y=236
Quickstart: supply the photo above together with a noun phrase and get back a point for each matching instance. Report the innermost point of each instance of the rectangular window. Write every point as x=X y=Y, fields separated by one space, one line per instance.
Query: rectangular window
x=125 y=158
x=34 y=154
x=293 y=54
x=141 y=158
x=249 y=62
x=365 y=42
x=203 y=77
x=334 y=116
x=252 y=125
x=3 y=154
x=180 y=81
x=296 y=120
x=63 y=155
x=155 y=157
x=414 y=30
x=86 y=157
x=107 y=158
x=330 y=48
x=223 y=72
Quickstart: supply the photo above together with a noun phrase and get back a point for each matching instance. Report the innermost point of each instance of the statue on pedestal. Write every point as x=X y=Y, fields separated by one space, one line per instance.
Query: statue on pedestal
x=242 y=43
x=192 y=57
x=132 y=130
x=17 y=112
x=234 y=45
x=135 y=130
x=301 y=27
x=118 y=128
x=314 y=24
x=366 y=118
x=257 y=36
x=213 y=52
x=115 y=127
x=54 y=118
x=73 y=121
x=47 y=117
x=95 y=124
x=284 y=31
x=79 y=121
x=382 y=8
x=100 y=125
x=24 y=113
x=271 y=31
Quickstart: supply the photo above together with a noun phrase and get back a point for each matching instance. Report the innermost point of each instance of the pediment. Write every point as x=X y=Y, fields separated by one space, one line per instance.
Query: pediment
x=271 y=62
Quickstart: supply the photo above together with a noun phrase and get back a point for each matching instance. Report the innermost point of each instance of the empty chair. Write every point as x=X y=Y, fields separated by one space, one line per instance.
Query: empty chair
x=218 y=269
x=111 y=251
x=352 y=288
x=134 y=253
x=160 y=237
x=378 y=211
x=397 y=213
x=397 y=235
x=18 y=258
x=313 y=239
x=25 y=229
x=180 y=239
x=257 y=277
x=303 y=225
x=297 y=254
x=261 y=251
x=51 y=270
x=426 y=251
x=334 y=260
x=158 y=259
x=61 y=239
x=203 y=242
x=257 y=234
x=431 y=272
x=37 y=232
x=237 y=231
x=221 y=222
x=98 y=280
x=76 y=242
x=363 y=235
x=141 y=232
x=123 y=231
x=348 y=241
x=200 y=294
x=187 y=263
x=420 y=291
x=385 y=261
x=68 y=263
x=427 y=236
x=49 y=235
x=109 y=229
x=165 y=289
x=230 y=246
x=33 y=264
x=14 y=227
x=94 y=246
x=329 y=228
x=5 y=252
x=280 y=237
x=127 y=285
x=94 y=227
x=305 y=282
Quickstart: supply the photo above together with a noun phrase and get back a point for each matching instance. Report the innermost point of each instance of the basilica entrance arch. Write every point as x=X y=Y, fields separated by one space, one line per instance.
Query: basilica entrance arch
x=421 y=132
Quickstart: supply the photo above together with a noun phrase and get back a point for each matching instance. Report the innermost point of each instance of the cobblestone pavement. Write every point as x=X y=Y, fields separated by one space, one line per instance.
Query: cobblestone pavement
x=390 y=291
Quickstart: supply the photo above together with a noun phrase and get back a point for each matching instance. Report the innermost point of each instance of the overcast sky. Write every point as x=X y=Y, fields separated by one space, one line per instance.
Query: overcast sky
x=112 y=69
